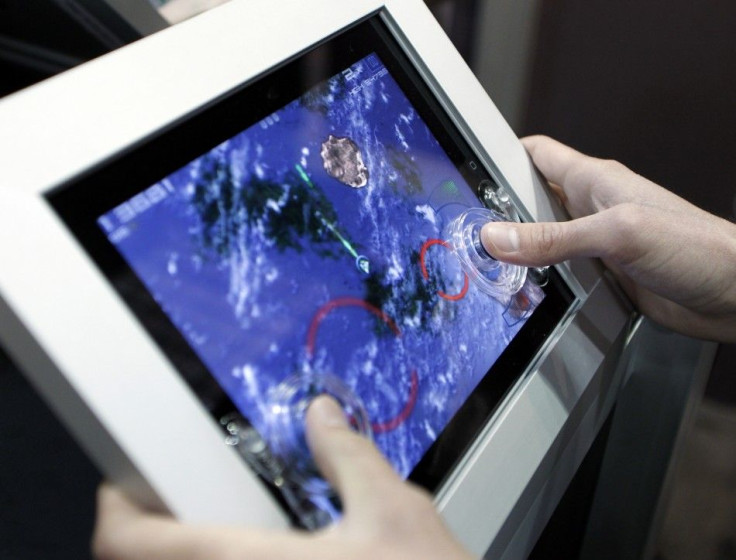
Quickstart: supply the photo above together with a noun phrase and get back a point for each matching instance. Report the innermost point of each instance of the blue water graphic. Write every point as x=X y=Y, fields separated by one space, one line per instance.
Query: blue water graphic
x=257 y=246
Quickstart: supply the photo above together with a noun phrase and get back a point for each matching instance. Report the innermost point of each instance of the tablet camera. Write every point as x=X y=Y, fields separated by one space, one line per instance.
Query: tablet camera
x=286 y=433
x=493 y=277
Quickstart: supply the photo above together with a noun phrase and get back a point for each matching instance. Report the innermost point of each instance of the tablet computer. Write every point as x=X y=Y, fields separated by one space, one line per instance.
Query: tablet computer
x=299 y=225
x=288 y=223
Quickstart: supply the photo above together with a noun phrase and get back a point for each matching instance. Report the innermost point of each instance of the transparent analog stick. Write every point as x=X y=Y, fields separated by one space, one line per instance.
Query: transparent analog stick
x=286 y=417
x=495 y=278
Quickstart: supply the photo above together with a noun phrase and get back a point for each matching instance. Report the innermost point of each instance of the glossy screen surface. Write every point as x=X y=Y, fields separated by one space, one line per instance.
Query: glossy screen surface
x=297 y=225
x=313 y=241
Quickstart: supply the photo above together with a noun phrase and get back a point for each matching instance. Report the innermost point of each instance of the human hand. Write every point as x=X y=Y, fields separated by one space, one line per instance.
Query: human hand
x=384 y=517
x=676 y=261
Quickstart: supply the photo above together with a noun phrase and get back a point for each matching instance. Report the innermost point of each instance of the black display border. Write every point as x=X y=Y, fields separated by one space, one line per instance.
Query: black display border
x=81 y=200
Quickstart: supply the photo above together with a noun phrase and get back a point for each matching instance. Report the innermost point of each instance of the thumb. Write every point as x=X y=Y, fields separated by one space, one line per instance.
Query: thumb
x=544 y=244
x=347 y=460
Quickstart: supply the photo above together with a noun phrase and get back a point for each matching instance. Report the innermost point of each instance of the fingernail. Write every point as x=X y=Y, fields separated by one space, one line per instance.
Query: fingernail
x=326 y=411
x=503 y=237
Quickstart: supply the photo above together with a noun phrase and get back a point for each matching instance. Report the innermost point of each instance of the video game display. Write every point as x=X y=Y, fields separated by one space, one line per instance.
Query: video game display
x=315 y=240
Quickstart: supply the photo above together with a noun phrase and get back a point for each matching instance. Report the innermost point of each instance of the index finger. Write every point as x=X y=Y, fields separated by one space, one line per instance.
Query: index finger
x=555 y=160
x=588 y=184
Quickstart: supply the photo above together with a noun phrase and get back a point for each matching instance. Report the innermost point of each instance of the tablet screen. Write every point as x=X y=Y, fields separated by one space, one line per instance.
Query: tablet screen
x=301 y=227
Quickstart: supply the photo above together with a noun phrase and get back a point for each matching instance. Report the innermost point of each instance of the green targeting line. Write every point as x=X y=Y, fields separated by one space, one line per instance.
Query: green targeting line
x=345 y=242
x=328 y=225
x=304 y=175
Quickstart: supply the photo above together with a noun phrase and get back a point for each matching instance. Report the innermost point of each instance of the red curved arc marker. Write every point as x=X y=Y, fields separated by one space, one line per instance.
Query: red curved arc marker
x=422 y=254
x=322 y=312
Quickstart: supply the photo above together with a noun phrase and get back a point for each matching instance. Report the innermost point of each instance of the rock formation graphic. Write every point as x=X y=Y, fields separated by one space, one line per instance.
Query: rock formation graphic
x=342 y=160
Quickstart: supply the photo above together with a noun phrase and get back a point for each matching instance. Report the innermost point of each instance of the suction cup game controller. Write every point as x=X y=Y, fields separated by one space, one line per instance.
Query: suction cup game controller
x=286 y=433
x=495 y=278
